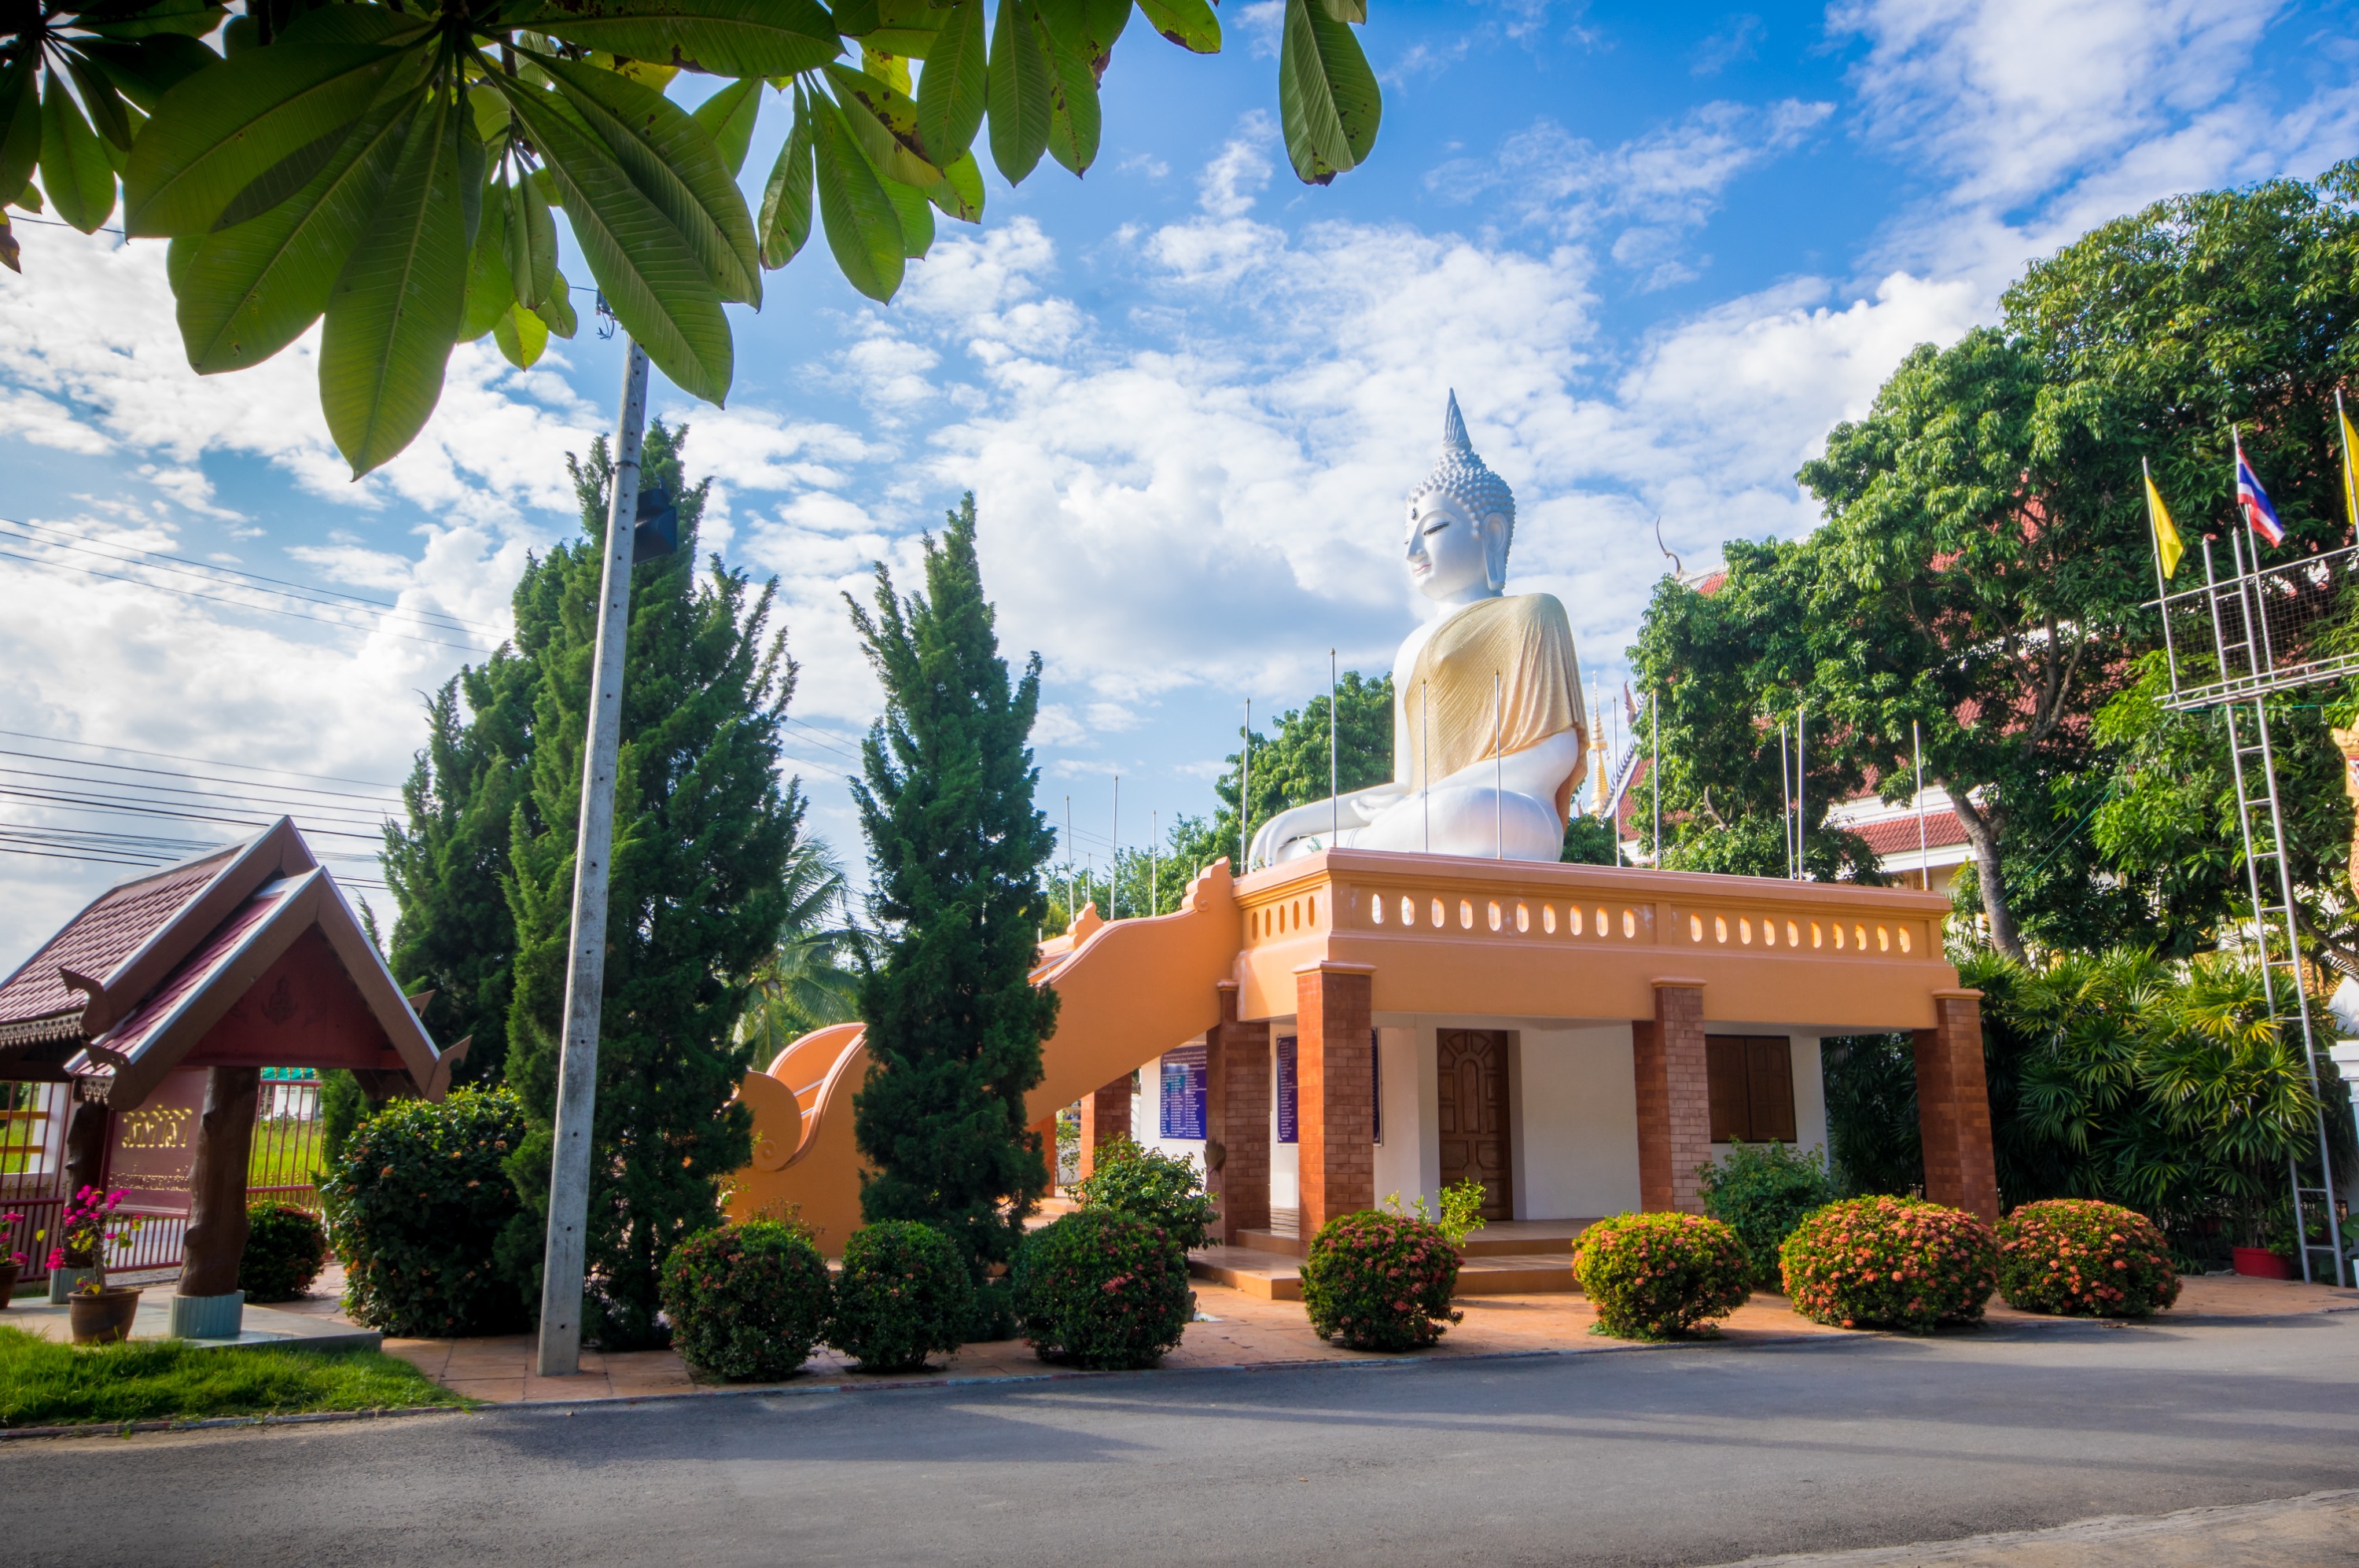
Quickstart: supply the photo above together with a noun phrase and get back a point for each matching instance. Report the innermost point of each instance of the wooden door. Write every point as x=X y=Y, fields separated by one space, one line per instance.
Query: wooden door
x=1473 y=1115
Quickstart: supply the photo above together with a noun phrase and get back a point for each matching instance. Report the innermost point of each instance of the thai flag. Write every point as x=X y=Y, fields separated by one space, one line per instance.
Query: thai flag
x=2254 y=501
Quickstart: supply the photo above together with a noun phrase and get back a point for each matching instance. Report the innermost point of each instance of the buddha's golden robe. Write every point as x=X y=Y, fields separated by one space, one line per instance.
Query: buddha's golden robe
x=1526 y=643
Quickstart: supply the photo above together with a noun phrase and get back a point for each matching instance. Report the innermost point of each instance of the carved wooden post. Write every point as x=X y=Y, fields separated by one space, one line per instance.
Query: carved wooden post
x=208 y=1303
x=86 y=1144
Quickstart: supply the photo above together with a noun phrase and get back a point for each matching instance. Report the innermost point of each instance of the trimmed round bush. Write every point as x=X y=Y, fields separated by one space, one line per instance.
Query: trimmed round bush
x=746 y=1302
x=286 y=1247
x=1159 y=1187
x=417 y=1204
x=1659 y=1276
x=2076 y=1258
x=1889 y=1262
x=1103 y=1288
x=1763 y=1190
x=1374 y=1281
x=902 y=1293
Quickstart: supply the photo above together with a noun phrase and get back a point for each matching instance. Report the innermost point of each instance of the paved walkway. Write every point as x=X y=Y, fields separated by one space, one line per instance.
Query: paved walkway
x=1236 y=1330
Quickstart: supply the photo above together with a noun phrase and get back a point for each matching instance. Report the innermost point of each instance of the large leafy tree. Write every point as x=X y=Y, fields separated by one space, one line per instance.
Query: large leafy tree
x=704 y=833
x=393 y=168
x=955 y=847
x=1289 y=766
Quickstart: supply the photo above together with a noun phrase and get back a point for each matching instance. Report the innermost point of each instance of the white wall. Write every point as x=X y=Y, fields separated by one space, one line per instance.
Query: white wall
x=1400 y=1165
x=1576 y=1122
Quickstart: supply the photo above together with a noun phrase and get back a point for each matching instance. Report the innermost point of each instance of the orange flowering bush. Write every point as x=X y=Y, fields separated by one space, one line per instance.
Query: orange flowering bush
x=1659 y=1276
x=1890 y=1263
x=1380 y=1281
x=2076 y=1258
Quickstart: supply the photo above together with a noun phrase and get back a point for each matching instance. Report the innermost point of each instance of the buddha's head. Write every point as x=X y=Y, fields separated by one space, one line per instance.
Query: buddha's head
x=1461 y=518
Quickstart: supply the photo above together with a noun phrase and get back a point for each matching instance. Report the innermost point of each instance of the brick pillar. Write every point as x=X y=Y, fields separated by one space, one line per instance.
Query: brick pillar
x=1335 y=1088
x=1237 y=1092
x=1953 y=1106
x=1674 y=1098
x=1106 y=1115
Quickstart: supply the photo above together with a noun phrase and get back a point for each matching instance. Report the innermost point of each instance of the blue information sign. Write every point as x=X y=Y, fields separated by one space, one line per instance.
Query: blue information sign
x=1289 y=1125
x=1183 y=1092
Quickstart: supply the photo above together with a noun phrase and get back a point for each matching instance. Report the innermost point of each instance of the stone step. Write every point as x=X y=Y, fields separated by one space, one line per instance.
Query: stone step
x=1275 y=1279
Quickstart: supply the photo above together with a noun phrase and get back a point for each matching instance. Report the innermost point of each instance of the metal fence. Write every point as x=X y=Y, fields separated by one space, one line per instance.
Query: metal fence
x=2274 y=626
x=288 y=1147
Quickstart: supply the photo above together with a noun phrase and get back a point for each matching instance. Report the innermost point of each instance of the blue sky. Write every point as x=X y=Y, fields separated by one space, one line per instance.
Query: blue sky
x=1657 y=250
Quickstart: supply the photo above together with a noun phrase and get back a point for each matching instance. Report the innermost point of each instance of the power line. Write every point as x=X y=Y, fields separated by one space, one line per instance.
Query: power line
x=198 y=777
x=209 y=762
x=156 y=793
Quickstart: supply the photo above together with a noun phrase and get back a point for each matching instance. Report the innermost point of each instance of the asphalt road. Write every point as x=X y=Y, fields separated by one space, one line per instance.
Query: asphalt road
x=1692 y=1456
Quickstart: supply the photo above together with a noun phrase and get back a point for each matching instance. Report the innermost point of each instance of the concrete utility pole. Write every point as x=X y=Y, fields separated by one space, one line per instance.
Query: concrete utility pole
x=585 y=968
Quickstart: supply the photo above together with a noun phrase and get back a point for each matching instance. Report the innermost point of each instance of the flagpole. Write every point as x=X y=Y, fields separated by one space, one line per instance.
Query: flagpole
x=1498 y=779
x=1244 y=796
x=1655 y=768
x=1802 y=783
x=2162 y=579
x=1917 y=746
x=1154 y=833
x=1786 y=793
x=1425 y=759
x=1072 y=906
x=1334 y=803
x=1113 y=857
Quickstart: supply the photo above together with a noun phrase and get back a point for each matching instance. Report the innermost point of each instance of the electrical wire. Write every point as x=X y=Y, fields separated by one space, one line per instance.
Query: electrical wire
x=208 y=761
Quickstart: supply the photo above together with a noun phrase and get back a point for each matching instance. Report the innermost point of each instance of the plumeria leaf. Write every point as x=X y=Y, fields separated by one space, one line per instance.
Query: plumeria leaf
x=787 y=199
x=862 y=230
x=1021 y=87
x=951 y=93
x=728 y=118
x=1187 y=22
x=74 y=169
x=728 y=37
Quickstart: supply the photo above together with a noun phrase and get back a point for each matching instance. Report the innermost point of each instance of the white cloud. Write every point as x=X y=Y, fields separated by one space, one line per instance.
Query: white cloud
x=1237 y=176
x=45 y=421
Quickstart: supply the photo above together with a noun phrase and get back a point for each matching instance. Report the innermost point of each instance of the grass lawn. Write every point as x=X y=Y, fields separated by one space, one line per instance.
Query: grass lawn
x=45 y=1384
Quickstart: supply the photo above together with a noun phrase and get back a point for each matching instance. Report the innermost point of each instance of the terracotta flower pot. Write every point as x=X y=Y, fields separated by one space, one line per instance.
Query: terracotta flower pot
x=105 y=1318
x=9 y=1272
x=2260 y=1263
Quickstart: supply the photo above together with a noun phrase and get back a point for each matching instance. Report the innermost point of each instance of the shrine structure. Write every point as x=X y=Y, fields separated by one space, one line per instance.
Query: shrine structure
x=150 y=1017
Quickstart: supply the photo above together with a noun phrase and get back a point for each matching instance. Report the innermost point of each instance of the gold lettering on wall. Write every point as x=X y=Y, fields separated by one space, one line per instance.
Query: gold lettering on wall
x=165 y=1126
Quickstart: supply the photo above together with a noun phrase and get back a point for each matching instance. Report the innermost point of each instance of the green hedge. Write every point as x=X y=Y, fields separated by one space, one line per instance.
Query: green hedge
x=2076 y=1258
x=748 y=1302
x=1151 y=1186
x=1762 y=1192
x=1886 y=1262
x=418 y=1201
x=902 y=1294
x=286 y=1247
x=1659 y=1276
x=1103 y=1288
x=1374 y=1281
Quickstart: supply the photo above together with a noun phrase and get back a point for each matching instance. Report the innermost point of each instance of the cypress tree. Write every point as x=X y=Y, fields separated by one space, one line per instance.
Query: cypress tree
x=703 y=832
x=448 y=865
x=955 y=847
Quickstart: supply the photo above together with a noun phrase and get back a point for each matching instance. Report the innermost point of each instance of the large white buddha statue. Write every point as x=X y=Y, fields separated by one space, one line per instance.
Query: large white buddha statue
x=1489 y=739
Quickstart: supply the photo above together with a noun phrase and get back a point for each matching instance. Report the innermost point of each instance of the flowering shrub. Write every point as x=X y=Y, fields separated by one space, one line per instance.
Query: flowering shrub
x=8 y=1253
x=903 y=1293
x=1104 y=1288
x=285 y=1251
x=417 y=1204
x=1658 y=1276
x=1380 y=1281
x=2085 y=1259
x=746 y=1302
x=87 y=1230
x=1890 y=1263
x=1158 y=1188
x=1763 y=1190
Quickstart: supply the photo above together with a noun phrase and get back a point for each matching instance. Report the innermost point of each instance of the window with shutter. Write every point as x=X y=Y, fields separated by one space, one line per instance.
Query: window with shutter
x=1751 y=1079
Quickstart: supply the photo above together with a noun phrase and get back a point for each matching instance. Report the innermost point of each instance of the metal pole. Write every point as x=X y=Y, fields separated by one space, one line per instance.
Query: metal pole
x=1334 y=800
x=1114 y=859
x=585 y=971
x=1498 y=781
x=1785 y=792
x=1801 y=781
x=1244 y=797
x=1073 y=905
x=1924 y=861
x=1154 y=892
x=1425 y=759
x=1655 y=767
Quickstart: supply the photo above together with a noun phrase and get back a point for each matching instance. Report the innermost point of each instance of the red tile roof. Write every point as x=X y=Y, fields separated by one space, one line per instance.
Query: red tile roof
x=1895 y=835
x=195 y=970
x=109 y=930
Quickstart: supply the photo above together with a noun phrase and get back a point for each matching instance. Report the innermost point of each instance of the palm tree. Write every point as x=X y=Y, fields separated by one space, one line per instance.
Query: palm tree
x=812 y=975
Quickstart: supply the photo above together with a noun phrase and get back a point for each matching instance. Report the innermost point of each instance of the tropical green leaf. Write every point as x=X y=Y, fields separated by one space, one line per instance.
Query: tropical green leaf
x=144 y=70
x=656 y=286
x=396 y=310
x=892 y=70
x=885 y=121
x=728 y=37
x=491 y=286
x=950 y=96
x=673 y=162
x=29 y=198
x=910 y=28
x=530 y=234
x=188 y=18
x=556 y=308
x=1187 y=22
x=243 y=293
x=787 y=199
x=1022 y=84
x=522 y=335
x=1327 y=95
x=728 y=118
x=862 y=230
x=12 y=254
x=1073 y=119
x=20 y=121
x=960 y=192
x=915 y=218
x=1353 y=11
x=109 y=116
x=74 y=171
x=1088 y=27
x=224 y=127
x=358 y=24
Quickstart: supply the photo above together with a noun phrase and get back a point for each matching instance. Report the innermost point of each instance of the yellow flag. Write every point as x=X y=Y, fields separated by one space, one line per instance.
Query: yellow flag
x=2166 y=536
x=2349 y=475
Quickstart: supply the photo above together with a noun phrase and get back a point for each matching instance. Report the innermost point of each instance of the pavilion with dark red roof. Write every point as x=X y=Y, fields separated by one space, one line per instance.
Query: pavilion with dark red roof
x=161 y=1002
